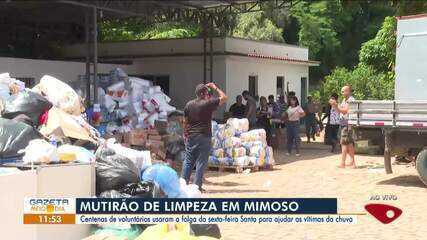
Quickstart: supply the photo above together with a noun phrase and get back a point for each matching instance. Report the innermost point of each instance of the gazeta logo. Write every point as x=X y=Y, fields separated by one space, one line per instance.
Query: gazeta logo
x=49 y=205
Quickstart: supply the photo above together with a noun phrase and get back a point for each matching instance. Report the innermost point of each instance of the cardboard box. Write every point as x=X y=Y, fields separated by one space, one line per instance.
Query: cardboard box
x=136 y=137
x=160 y=153
x=152 y=132
x=155 y=137
x=118 y=136
x=155 y=143
x=161 y=126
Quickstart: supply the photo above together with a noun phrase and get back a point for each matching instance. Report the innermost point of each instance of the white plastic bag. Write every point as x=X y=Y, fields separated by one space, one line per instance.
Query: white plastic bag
x=141 y=159
x=241 y=161
x=82 y=154
x=240 y=125
x=218 y=153
x=269 y=157
x=232 y=142
x=109 y=103
x=189 y=191
x=60 y=95
x=259 y=153
x=236 y=152
x=254 y=135
x=40 y=151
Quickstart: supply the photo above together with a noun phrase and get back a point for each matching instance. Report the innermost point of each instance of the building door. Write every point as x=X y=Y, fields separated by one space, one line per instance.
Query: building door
x=280 y=84
x=163 y=82
x=304 y=90
x=253 y=85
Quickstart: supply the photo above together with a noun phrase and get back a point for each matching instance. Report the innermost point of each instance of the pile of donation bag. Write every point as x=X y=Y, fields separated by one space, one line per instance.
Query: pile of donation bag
x=234 y=145
x=46 y=125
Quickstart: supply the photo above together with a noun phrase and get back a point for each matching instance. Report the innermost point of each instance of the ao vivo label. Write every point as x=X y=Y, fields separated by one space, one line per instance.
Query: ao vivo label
x=383 y=212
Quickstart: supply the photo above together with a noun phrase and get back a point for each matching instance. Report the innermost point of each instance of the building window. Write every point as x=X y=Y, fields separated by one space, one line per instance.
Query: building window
x=29 y=81
x=253 y=85
x=280 y=83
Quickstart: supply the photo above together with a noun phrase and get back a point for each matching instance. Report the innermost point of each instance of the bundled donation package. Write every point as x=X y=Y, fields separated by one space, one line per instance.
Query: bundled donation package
x=234 y=144
x=133 y=103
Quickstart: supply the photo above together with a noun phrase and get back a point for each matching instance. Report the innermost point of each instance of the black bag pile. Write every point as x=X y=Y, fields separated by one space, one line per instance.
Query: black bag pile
x=117 y=176
x=14 y=136
x=26 y=103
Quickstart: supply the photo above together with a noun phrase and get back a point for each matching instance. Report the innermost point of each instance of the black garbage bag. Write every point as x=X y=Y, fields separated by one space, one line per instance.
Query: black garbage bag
x=113 y=171
x=176 y=113
x=113 y=194
x=139 y=190
x=175 y=147
x=135 y=190
x=27 y=103
x=207 y=230
x=15 y=136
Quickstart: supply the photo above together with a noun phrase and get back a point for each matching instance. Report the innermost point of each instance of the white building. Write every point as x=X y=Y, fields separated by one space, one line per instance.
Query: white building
x=261 y=67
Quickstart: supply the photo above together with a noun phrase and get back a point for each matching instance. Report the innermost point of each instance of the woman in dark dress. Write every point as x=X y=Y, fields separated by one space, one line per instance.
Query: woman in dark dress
x=264 y=114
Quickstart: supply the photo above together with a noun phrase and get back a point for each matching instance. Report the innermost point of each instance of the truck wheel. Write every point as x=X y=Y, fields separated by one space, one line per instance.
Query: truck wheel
x=421 y=165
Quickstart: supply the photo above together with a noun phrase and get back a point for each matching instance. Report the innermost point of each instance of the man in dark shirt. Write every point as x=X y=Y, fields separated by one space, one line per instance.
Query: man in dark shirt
x=251 y=107
x=238 y=108
x=198 y=130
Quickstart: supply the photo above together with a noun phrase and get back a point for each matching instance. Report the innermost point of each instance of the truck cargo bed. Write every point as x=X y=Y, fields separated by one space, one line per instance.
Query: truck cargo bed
x=405 y=114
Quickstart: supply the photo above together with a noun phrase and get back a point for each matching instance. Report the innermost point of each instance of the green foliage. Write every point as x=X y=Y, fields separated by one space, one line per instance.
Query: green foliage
x=365 y=81
x=256 y=26
x=132 y=30
x=316 y=26
x=335 y=29
x=379 y=52
x=373 y=77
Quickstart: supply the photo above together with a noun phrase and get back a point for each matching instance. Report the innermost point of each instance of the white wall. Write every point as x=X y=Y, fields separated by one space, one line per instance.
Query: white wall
x=240 y=68
x=266 y=48
x=190 y=46
x=66 y=71
x=146 y=47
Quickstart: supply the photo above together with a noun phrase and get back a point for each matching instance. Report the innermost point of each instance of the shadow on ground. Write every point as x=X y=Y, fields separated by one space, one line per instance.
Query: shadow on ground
x=223 y=184
x=404 y=181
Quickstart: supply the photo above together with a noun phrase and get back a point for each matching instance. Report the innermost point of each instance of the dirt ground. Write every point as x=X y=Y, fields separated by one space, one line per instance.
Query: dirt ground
x=315 y=174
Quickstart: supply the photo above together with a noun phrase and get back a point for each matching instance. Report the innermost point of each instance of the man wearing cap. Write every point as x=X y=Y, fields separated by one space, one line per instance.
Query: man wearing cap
x=198 y=130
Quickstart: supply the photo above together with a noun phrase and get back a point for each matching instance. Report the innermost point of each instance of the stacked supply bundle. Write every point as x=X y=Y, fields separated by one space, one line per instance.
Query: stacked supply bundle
x=233 y=144
x=133 y=103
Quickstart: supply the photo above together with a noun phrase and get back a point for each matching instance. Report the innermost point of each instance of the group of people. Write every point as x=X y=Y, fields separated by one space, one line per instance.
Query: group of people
x=281 y=113
x=284 y=113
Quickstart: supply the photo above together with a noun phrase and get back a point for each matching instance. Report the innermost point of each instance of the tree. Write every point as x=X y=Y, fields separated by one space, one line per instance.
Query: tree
x=132 y=30
x=373 y=77
x=379 y=52
x=334 y=30
x=256 y=26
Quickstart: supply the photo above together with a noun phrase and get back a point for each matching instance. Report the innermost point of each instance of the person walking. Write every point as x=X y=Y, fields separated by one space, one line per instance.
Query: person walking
x=264 y=115
x=238 y=109
x=310 y=119
x=347 y=140
x=197 y=130
x=274 y=107
x=251 y=108
x=333 y=124
x=292 y=117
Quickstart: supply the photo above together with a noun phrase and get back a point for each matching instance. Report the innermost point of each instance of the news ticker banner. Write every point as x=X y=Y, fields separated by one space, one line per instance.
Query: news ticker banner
x=203 y=210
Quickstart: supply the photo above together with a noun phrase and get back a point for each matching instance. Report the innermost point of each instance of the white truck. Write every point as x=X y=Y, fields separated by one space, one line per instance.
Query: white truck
x=403 y=121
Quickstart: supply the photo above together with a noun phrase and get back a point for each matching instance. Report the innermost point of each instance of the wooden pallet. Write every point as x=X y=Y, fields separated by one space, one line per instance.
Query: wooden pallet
x=239 y=169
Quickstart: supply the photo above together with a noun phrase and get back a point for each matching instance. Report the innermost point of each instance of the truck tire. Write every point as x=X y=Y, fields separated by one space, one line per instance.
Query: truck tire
x=421 y=165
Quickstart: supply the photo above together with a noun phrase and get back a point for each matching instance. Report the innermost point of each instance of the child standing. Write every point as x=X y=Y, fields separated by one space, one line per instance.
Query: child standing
x=293 y=115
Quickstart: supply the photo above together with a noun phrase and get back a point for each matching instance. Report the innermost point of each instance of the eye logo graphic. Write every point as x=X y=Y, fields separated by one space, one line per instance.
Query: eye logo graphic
x=383 y=212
